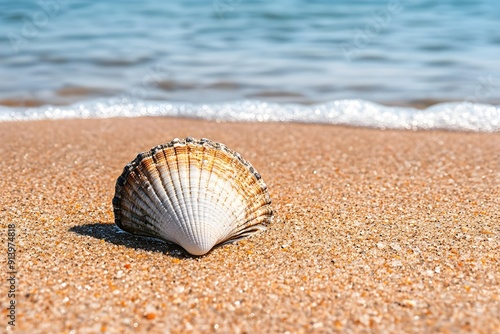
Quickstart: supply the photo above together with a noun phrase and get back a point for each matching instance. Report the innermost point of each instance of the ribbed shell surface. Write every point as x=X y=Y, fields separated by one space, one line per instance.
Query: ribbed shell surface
x=194 y=193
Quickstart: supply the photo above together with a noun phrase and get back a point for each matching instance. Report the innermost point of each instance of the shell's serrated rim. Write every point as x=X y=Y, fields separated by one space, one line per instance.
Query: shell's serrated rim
x=176 y=142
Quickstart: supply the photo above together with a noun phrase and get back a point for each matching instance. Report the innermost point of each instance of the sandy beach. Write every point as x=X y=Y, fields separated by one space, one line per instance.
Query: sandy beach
x=375 y=231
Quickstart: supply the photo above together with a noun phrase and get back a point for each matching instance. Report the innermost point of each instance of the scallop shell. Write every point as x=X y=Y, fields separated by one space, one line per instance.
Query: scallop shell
x=195 y=193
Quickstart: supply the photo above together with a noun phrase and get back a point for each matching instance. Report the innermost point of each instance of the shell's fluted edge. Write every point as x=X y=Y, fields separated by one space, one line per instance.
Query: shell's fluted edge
x=258 y=215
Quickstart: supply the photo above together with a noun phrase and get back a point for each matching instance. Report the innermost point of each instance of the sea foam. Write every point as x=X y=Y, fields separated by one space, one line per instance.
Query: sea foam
x=463 y=116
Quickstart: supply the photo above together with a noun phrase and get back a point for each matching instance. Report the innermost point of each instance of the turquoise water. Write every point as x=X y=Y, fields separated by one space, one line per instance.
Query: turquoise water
x=307 y=52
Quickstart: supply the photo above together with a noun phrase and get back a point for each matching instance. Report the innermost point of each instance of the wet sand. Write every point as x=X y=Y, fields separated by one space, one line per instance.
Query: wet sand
x=375 y=231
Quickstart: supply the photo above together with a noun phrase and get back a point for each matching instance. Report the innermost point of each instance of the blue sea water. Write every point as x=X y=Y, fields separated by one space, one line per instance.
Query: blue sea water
x=338 y=62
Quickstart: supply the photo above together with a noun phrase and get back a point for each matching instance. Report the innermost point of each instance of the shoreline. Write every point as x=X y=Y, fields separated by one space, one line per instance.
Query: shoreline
x=68 y=99
x=375 y=230
x=465 y=116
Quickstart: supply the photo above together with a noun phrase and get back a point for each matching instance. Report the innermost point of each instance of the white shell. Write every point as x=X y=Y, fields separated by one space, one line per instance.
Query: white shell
x=194 y=193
